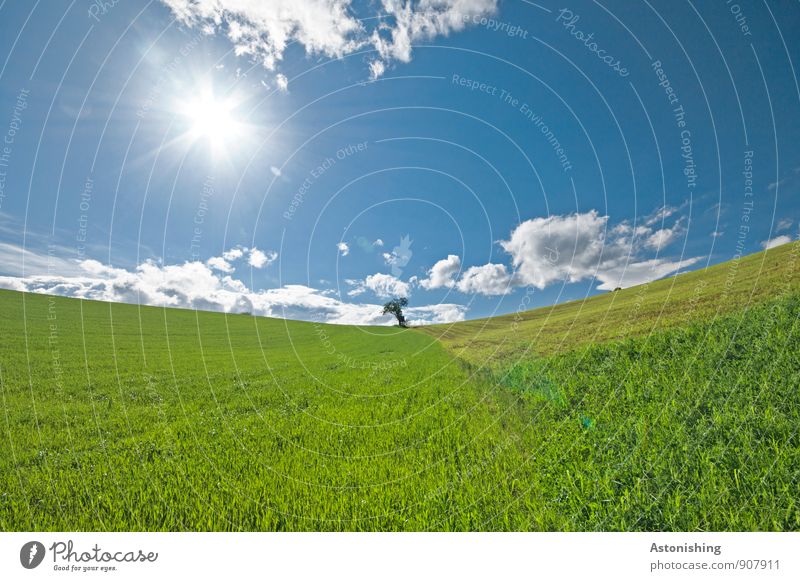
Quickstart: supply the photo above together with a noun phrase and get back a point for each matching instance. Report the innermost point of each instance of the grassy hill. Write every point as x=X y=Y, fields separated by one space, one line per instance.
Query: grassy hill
x=699 y=295
x=118 y=417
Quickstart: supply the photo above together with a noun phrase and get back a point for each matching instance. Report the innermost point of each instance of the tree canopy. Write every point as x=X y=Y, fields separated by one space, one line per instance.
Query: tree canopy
x=395 y=307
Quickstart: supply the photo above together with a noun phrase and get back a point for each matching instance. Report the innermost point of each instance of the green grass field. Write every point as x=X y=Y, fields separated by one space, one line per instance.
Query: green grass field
x=661 y=407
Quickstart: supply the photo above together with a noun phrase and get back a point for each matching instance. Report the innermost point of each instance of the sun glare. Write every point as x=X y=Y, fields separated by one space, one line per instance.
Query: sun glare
x=213 y=120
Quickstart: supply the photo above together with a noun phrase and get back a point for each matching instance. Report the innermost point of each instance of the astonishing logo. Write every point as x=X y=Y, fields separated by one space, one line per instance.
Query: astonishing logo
x=32 y=554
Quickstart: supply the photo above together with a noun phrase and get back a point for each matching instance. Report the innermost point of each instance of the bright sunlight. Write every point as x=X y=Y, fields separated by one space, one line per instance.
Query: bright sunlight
x=214 y=120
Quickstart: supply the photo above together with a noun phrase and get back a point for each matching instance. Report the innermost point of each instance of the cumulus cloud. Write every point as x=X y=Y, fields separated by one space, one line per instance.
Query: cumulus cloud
x=546 y=250
x=777 y=241
x=344 y=249
x=259 y=259
x=489 y=279
x=572 y=248
x=579 y=246
x=195 y=285
x=382 y=285
x=443 y=273
x=263 y=30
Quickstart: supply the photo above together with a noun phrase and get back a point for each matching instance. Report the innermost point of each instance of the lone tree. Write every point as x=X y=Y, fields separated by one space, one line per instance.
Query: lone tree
x=395 y=307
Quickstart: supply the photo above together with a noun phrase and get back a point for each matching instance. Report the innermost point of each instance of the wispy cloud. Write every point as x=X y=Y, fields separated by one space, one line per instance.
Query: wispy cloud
x=489 y=279
x=443 y=274
x=777 y=241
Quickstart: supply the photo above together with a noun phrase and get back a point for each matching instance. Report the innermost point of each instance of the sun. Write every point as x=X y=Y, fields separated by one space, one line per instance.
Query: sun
x=214 y=120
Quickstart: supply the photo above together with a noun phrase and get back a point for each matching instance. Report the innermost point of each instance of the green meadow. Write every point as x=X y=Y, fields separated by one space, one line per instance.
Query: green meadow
x=669 y=406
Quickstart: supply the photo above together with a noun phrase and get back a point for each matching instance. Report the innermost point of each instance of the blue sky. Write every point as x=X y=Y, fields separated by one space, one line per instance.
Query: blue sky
x=310 y=159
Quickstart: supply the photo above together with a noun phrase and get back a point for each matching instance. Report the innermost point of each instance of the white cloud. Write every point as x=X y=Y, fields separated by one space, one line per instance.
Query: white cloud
x=576 y=247
x=378 y=242
x=16 y=261
x=233 y=254
x=424 y=21
x=784 y=224
x=264 y=29
x=547 y=250
x=260 y=259
x=660 y=215
x=219 y=263
x=344 y=249
x=489 y=279
x=443 y=273
x=777 y=241
x=625 y=275
x=572 y=248
x=664 y=237
x=255 y=258
x=433 y=314
x=276 y=171
x=382 y=285
x=194 y=285
x=282 y=82
x=376 y=69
